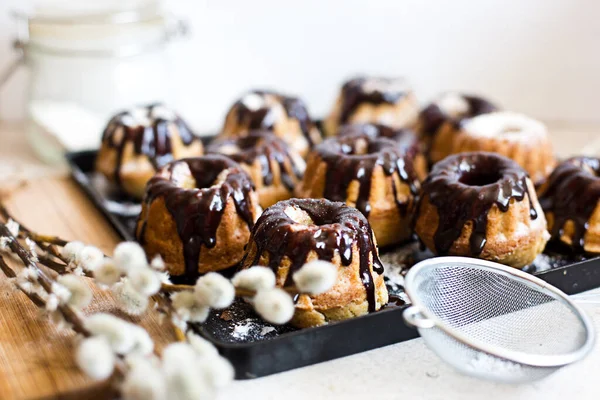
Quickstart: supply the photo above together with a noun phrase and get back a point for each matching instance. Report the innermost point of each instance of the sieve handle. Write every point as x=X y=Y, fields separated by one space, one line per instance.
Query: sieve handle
x=413 y=317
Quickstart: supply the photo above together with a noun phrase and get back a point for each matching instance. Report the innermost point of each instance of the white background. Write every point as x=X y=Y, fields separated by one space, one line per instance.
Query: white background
x=541 y=57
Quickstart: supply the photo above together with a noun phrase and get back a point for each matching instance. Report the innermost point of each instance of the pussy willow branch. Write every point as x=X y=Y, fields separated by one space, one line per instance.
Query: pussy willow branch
x=165 y=306
x=68 y=313
x=10 y=273
x=170 y=287
x=42 y=242
x=49 y=262
x=45 y=242
x=239 y=292
x=32 y=235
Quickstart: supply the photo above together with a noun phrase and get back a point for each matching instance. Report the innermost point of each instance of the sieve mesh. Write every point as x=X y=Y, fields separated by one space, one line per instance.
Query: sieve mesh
x=496 y=322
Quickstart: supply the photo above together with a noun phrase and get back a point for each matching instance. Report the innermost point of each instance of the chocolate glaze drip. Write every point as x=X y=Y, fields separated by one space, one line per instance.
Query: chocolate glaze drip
x=267 y=148
x=262 y=118
x=152 y=140
x=344 y=165
x=572 y=193
x=336 y=227
x=197 y=212
x=433 y=117
x=354 y=94
x=464 y=187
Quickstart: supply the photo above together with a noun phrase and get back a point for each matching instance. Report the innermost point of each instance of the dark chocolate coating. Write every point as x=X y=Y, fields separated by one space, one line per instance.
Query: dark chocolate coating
x=572 y=192
x=152 y=140
x=354 y=94
x=267 y=148
x=433 y=117
x=197 y=212
x=464 y=187
x=336 y=228
x=345 y=166
x=261 y=119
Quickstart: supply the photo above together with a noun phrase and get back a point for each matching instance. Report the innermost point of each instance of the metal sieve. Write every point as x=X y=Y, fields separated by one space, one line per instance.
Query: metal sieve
x=495 y=322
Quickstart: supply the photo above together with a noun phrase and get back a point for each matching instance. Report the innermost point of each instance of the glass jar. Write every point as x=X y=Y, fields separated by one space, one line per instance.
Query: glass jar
x=86 y=63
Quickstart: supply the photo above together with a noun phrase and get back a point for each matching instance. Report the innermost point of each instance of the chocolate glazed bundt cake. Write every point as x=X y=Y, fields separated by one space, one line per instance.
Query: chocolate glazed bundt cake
x=286 y=116
x=274 y=168
x=513 y=135
x=136 y=143
x=571 y=200
x=294 y=232
x=377 y=100
x=375 y=175
x=444 y=116
x=481 y=205
x=197 y=215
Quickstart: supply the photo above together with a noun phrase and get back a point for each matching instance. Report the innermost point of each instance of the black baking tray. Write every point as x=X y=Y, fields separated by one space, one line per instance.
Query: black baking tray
x=257 y=348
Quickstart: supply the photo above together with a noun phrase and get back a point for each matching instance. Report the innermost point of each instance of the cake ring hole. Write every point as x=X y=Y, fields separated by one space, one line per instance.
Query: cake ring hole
x=182 y=177
x=309 y=218
x=508 y=129
x=299 y=216
x=360 y=147
x=479 y=178
x=229 y=149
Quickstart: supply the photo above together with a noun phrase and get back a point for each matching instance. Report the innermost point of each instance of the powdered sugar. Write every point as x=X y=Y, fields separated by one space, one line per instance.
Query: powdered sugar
x=242 y=329
x=250 y=328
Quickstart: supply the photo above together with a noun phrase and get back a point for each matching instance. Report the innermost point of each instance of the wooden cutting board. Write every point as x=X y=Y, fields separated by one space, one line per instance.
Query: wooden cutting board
x=35 y=358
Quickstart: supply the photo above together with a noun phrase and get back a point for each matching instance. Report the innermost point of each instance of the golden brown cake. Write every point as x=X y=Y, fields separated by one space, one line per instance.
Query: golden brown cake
x=515 y=136
x=481 y=205
x=375 y=175
x=571 y=200
x=294 y=232
x=197 y=214
x=446 y=114
x=376 y=100
x=274 y=168
x=136 y=143
x=285 y=116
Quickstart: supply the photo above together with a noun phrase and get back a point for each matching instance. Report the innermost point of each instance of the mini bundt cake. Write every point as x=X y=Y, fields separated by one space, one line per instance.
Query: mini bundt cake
x=445 y=114
x=405 y=137
x=274 y=168
x=136 y=143
x=197 y=214
x=571 y=200
x=375 y=175
x=377 y=100
x=293 y=232
x=481 y=205
x=286 y=116
x=515 y=136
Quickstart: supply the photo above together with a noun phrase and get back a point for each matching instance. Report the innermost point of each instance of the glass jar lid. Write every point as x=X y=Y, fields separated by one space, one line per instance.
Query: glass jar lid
x=110 y=28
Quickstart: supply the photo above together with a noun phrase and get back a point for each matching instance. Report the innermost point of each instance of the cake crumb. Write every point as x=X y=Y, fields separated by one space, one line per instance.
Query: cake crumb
x=226 y=315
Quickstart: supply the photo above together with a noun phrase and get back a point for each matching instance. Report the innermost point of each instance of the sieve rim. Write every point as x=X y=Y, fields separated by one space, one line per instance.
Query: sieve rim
x=533 y=360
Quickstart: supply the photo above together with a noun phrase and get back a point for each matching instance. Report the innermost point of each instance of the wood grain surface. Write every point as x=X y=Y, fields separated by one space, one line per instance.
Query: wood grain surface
x=35 y=358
